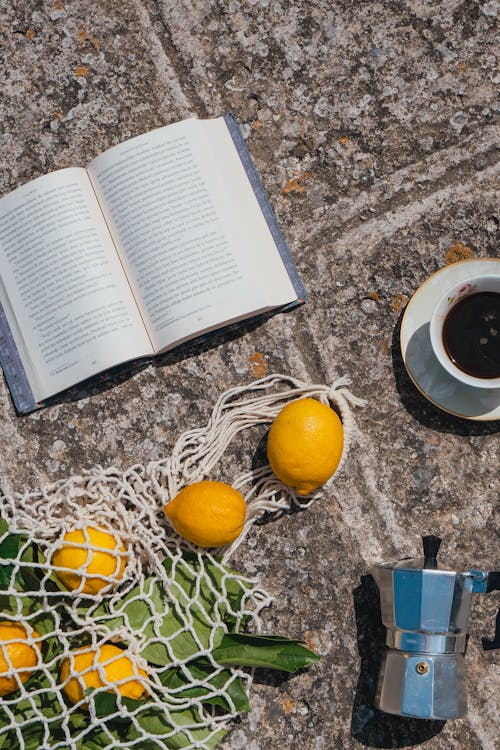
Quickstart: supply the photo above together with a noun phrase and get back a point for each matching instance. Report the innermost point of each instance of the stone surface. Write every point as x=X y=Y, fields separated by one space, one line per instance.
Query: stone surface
x=372 y=125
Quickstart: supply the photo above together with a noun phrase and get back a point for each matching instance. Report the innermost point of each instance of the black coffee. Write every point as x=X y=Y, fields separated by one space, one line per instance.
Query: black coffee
x=471 y=334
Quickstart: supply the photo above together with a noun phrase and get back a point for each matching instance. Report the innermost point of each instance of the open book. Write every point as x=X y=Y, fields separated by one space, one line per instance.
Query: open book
x=161 y=239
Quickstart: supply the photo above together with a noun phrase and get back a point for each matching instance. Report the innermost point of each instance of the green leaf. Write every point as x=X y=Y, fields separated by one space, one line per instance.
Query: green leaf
x=31 y=572
x=156 y=653
x=230 y=580
x=9 y=547
x=138 y=612
x=238 y=695
x=29 y=604
x=30 y=581
x=221 y=589
x=174 y=627
x=44 y=700
x=100 y=738
x=33 y=741
x=7 y=738
x=7 y=605
x=77 y=720
x=273 y=652
x=200 y=593
x=97 y=743
x=106 y=704
x=195 y=598
x=213 y=683
x=51 y=582
x=154 y=722
x=42 y=621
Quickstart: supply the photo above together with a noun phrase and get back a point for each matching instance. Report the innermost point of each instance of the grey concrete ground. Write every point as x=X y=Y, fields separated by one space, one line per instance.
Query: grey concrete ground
x=372 y=125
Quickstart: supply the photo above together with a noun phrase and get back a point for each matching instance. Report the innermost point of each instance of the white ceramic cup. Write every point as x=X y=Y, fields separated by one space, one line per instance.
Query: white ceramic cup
x=473 y=285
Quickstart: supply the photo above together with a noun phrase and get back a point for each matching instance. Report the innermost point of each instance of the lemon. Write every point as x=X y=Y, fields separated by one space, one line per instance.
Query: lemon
x=305 y=444
x=105 y=557
x=84 y=669
x=16 y=653
x=208 y=514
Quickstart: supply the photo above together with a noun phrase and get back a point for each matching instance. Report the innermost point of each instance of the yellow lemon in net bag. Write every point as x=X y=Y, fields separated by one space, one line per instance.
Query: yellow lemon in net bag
x=87 y=554
x=305 y=444
x=105 y=666
x=208 y=514
x=16 y=653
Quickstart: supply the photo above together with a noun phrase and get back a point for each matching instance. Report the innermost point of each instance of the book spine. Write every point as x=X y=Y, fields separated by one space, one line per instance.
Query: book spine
x=13 y=368
x=265 y=206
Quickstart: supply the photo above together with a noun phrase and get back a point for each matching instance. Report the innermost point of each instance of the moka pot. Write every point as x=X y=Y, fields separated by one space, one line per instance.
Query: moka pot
x=425 y=607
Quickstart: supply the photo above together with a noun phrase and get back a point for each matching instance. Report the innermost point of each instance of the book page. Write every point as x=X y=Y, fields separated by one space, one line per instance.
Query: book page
x=193 y=241
x=68 y=303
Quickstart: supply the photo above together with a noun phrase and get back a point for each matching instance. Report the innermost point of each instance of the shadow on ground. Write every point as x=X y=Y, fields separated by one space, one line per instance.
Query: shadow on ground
x=489 y=644
x=421 y=409
x=369 y=725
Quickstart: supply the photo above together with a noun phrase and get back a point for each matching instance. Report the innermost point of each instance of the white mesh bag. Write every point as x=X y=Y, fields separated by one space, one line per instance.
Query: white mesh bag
x=164 y=631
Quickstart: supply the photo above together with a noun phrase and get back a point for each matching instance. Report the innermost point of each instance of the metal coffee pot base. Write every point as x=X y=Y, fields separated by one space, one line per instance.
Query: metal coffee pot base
x=424 y=686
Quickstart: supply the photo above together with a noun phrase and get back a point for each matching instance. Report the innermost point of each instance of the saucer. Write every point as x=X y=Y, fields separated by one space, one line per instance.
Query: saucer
x=428 y=375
